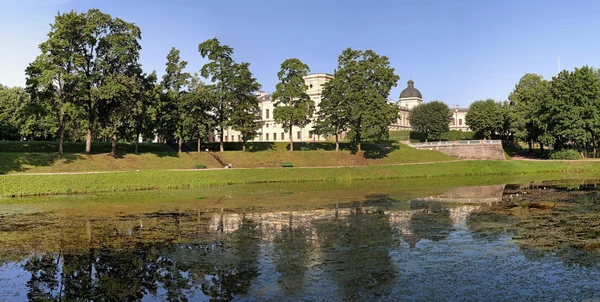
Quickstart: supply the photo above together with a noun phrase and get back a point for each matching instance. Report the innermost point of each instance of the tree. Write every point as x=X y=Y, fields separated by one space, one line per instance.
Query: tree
x=293 y=106
x=23 y=117
x=485 y=118
x=245 y=117
x=174 y=80
x=221 y=71
x=52 y=81
x=366 y=82
x=232 y=90
x=145 y=94
x=333 y=115
x=431 y=118
x=528 y=99
x=572 y=114
x=198 y=103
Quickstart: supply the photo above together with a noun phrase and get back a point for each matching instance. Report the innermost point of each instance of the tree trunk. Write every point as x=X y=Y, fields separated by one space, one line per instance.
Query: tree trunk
x=88 y=141
x=594 y=144
x=61 y=135
x=357 y=138
x=222 y=137
x=113 y=150
x=179 y=144
x=541 y=150
x=337 y=142
x=530 y=142
x=137 y=140
x=199 y=145
x=291 y=140
x=244 y=147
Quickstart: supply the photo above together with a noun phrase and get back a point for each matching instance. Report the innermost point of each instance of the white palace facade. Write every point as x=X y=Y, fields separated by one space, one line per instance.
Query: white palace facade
x=272 y=132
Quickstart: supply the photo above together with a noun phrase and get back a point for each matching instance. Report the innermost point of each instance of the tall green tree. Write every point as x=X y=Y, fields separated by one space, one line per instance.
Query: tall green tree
x=233 y=91
x=572 y=114
x=246 y=115
x=198 y=103
x=528 y=100
x=293 y=106
x=174 y=82
x=485 y=118
x=333 y=114
x=144 y=96
x=84 y=50
x=53 y=82
x=367 y=81
x=431 y=118
x=221 y=72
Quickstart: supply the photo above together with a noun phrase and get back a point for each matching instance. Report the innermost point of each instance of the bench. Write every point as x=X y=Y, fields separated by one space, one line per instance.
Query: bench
x=287 y=165
x=200 y=166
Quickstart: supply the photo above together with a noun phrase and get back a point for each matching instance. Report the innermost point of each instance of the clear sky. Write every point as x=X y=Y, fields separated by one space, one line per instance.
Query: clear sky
x=455 y=51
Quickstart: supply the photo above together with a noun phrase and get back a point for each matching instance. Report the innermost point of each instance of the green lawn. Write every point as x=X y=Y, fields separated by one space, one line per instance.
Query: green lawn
x=24 y=185
x=51 y=162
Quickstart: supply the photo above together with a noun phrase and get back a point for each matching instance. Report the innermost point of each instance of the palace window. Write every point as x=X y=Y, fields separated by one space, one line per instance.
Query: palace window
x=239 y=138
x=267 y=136
x=267 y=125
x=298 y=135
x=310 y=134
x=460 y=122
x=226 y=136
x=267 y=114
x=274 y=136
x=282 y=136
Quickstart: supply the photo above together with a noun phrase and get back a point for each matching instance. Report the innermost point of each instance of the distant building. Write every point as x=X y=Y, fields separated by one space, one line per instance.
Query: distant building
x=271 y=131
x=411 y=97
x=458 y=122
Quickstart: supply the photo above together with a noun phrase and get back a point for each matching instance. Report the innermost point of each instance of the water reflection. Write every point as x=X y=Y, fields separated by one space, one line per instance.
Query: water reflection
x=375 y=247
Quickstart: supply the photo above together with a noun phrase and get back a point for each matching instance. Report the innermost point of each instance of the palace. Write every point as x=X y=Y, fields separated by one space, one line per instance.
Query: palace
x=271 y=131
x=411 y=97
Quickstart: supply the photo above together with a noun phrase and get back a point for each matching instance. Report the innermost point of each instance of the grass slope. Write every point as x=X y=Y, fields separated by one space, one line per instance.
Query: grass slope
x=76 y=162
x=24 y=185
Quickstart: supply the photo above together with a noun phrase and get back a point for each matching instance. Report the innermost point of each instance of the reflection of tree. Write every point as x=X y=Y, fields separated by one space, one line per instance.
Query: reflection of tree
x=292 y=249
x=233 y=266
x=433 y=224
x=356 y=251
x=43 y=284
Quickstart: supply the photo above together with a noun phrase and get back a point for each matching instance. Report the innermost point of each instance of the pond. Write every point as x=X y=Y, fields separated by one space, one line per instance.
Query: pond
x=498 y=238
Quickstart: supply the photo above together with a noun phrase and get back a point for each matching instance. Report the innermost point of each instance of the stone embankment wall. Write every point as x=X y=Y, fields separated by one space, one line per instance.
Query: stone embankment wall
x=467 y=151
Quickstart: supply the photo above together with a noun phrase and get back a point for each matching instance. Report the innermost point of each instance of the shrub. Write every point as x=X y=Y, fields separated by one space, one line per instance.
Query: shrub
x=200 y=166
x=569 y=154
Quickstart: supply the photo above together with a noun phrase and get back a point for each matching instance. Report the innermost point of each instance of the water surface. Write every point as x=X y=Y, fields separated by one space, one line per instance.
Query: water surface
x=435 y=239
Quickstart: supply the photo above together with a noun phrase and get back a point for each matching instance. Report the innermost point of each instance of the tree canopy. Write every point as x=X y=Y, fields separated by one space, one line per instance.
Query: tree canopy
x=364 y=83
x=293 y=106
x=431 y=118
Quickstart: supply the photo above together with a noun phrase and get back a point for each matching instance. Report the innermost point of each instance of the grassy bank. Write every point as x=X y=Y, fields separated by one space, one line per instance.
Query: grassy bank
x=23 y=185
x=48 y=162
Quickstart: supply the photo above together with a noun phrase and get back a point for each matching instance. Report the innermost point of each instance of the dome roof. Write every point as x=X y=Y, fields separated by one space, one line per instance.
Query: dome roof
x=411 y=91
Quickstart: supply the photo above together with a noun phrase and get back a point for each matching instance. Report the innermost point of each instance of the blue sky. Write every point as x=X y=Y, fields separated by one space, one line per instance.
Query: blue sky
x=455 y=51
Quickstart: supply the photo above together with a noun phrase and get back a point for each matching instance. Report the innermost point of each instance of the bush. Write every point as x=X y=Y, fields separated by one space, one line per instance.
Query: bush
x=565 y=154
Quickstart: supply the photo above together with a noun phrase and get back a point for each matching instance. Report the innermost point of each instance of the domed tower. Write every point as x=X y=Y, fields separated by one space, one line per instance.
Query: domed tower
x=410 y=97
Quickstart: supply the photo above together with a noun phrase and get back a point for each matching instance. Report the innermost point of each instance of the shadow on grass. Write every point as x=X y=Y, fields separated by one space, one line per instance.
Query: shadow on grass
x=17 y=162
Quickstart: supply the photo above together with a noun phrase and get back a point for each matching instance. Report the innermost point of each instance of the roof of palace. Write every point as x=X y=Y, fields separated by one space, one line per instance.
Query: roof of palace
x=410 y=91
